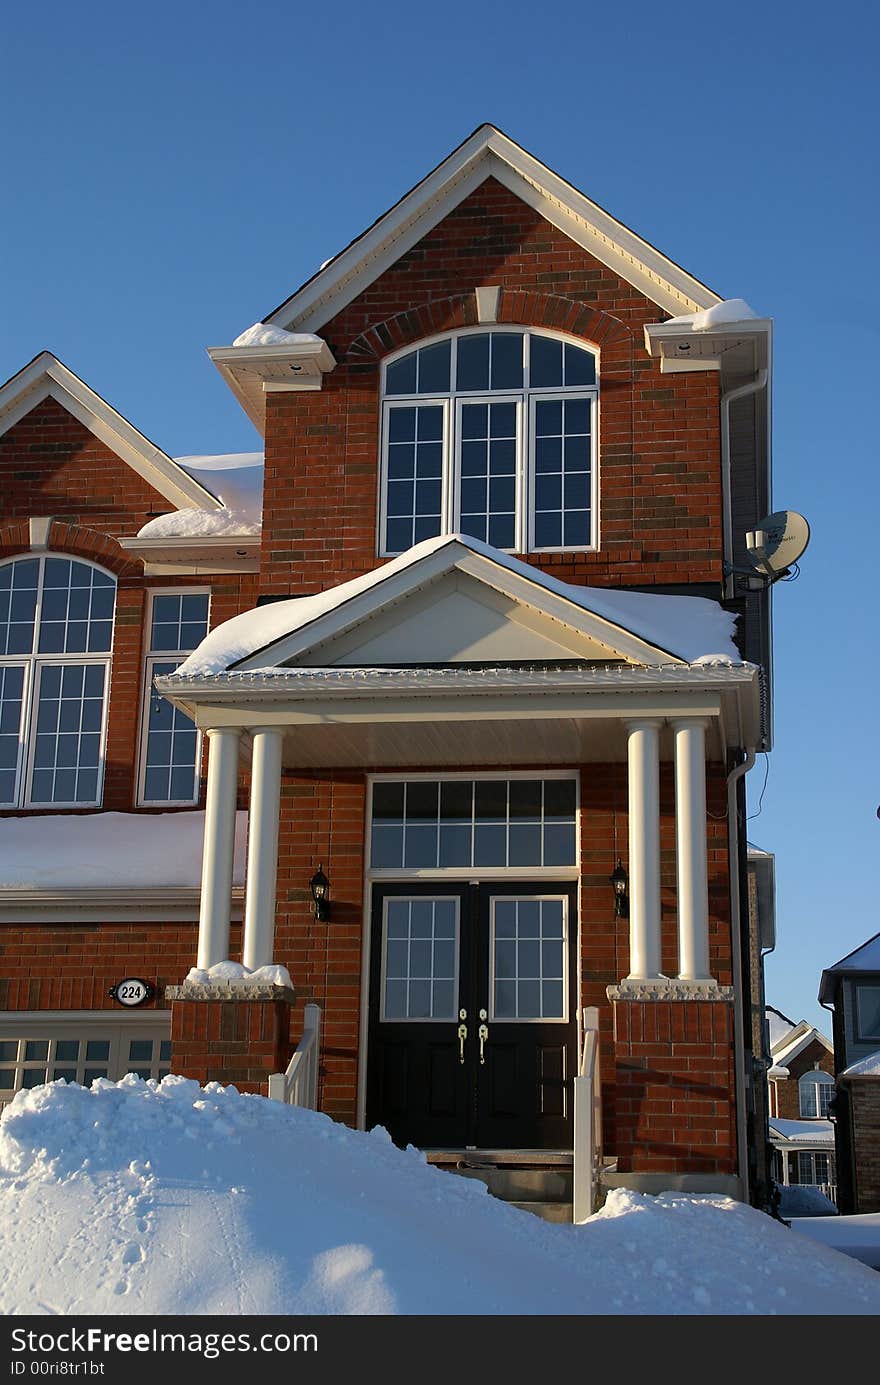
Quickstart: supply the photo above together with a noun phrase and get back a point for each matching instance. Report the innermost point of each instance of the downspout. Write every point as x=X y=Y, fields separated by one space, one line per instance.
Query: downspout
x=741 y=392
x=742 y=1148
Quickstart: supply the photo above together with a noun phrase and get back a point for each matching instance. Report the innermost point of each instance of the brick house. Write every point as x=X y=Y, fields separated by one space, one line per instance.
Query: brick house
x=800 y=1079
x=485 y=653
x=851 y=990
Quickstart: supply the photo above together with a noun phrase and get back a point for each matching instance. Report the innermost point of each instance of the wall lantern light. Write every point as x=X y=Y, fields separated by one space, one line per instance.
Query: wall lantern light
x=620 y=882
x=320 y=888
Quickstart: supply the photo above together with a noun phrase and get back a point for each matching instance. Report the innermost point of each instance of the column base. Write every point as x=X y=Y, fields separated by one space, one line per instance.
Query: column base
x=667 y=988
x=675 y=1100
x=230 y=1033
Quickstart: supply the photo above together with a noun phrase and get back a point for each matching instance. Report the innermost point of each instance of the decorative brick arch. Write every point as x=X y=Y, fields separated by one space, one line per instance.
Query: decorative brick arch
x=524 y=308
x=15 y=541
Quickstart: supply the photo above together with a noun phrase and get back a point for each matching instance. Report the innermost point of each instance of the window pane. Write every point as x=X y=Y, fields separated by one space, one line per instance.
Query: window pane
x=67 y=1050
x=545 y=362
x=171 y=749
x=580 y=366
x=11 y=690
x=420 y=959
x=36 y=1050
x=472 y=369
x=562 y=474
x=868 y=1006
x=18 y=600
x=413 y=500
x=400 y=376
x=73 y=619
x=507 y=361
x=433 y=372
x=487 y=492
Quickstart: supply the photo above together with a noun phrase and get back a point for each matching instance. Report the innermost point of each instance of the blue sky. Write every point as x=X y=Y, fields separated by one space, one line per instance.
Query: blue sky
x=173 y=172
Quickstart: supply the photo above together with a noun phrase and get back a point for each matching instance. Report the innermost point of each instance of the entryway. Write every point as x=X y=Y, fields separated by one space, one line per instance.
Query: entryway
x=473 y=1014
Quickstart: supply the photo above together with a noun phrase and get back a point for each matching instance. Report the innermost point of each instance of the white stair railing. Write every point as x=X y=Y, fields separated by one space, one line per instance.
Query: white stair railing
x=587 y=1121
x=298 y=1086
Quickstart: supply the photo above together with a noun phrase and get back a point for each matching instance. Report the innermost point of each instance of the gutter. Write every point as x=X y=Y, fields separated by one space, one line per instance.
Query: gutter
x=730 y=397
x=736 y=923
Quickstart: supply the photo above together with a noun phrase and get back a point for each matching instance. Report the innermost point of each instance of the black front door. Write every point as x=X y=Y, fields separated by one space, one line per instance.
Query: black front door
x=473 y=1019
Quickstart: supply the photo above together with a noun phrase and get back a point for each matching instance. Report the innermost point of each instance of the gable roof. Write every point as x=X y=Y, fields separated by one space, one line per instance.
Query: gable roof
x=45 y=376
x=794 y=1043
x=643 y=628
x=486 y=153
x=863 y=958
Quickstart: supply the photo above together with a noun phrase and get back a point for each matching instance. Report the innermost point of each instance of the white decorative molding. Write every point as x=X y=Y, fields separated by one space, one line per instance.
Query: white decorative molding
x=169 y=904
x=38 y=529
x=487 y=304
x=238 y=989
x=669 y=988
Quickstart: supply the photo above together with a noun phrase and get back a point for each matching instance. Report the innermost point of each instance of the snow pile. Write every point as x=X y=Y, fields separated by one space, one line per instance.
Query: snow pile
x=804 y=1200
x=857 y=1236
x=169 y=1198
x=728 y=310
x=236 y=479
x=235 y=974
x=108 y=850
x=866 y=1067
x=260 y=334
x=683 y=625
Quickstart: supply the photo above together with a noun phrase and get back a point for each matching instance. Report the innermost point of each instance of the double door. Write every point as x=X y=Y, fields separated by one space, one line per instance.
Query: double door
x=473 y=1014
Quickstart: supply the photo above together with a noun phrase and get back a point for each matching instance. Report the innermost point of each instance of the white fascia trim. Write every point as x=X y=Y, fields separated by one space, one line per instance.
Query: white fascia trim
x=657 y=332
x=168 y=904
x=47 y=377
x=389 y=589
x=487 y=153
x=317 y=352
x=787 y=1055
x=18 y=1021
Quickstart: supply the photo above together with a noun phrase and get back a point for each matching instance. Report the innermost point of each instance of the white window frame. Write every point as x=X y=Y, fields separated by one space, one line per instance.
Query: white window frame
x=810 y=1082
x=484 y=873
x=33 y=664
x=525 y=397
x=420 y=1019
x=535 y=1019
x=152 y=657
x=108 y=1025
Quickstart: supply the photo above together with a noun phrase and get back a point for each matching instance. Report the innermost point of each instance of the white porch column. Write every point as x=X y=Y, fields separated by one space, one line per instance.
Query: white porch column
x=217 y=858
x=643 y=755
x=262 y=860
x=690 y=846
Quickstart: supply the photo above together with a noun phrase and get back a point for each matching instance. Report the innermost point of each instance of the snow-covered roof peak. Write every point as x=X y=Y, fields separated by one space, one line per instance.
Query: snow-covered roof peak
x=236 y=479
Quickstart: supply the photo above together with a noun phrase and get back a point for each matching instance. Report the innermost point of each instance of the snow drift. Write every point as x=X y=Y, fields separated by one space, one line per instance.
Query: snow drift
x=169 y=1198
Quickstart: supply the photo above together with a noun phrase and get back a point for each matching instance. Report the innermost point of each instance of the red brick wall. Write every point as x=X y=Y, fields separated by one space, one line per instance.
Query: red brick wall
x=865 y=1116
x=674 y=1101
x=50 y=464
x=237 y=1041
x=659 y=435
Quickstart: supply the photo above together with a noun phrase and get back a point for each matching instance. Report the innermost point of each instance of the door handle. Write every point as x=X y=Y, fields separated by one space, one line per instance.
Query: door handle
x=462 y=1034
x=483 y=1034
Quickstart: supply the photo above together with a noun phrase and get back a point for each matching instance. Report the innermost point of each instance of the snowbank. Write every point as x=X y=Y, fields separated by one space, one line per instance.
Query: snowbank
x=170 y=1198
x=687 y=626
x=108 y=850
x=866 y=1067
x=858 y=1236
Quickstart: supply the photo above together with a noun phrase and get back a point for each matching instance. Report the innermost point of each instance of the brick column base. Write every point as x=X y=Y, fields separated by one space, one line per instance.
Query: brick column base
x=224 y=1034
x=675 y=1102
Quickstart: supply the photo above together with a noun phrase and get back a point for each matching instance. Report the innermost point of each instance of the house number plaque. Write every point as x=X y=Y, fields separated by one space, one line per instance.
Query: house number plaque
x=132 y=991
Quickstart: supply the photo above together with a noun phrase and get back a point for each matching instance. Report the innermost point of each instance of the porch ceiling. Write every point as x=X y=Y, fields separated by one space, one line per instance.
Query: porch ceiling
x=450 y=717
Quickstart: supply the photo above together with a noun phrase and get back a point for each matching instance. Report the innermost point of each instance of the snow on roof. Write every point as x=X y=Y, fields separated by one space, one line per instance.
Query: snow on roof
x=108 y=850
x=778 y=1026
x=814 y=1132
x=864 y=958
x=866 y=1067
x=262 y=335
x=728 y=310
x=120 y=1199
x=236 y=478
x=687 y=626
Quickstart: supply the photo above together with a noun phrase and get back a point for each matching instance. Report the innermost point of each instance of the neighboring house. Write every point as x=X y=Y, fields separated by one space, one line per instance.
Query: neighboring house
x=491 y=644
x=800 y=1080
x=851 y=988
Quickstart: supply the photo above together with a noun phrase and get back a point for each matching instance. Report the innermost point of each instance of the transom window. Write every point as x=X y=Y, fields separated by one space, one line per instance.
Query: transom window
x=429 y=824
x=171 y=744
x=815 y=1091
x=492 y=434
x=56 y=634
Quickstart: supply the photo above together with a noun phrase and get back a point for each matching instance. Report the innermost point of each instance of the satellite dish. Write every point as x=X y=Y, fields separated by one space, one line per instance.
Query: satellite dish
x=777 y=542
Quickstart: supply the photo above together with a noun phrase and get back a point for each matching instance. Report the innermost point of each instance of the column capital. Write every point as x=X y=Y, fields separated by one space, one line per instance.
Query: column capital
x=223 y=731
x=686 y=722
x=643 y=723
x=267 y=731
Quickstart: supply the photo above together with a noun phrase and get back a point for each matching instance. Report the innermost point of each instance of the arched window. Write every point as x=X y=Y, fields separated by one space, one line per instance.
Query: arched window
x=56 y=633
x=815 y=1090
x=492 y=434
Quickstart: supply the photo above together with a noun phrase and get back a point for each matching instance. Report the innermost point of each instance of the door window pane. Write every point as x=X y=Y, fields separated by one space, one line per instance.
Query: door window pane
x=420 y=961
x=528 y=959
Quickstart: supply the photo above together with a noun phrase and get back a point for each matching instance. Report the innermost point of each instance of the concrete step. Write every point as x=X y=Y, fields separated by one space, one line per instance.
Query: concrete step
x=548 y=1211
x=522 y=1185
